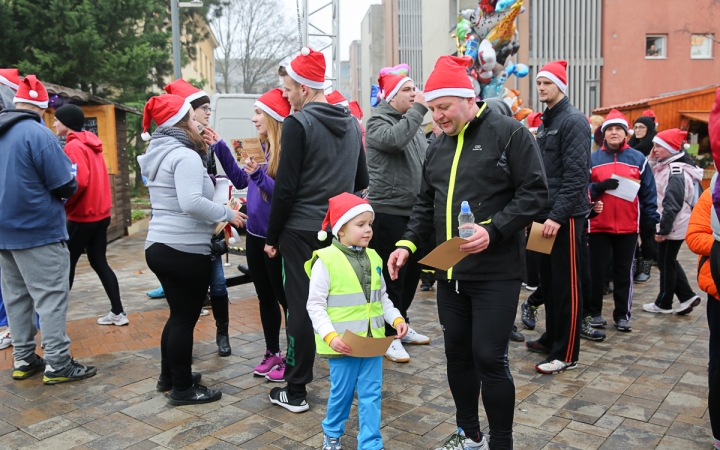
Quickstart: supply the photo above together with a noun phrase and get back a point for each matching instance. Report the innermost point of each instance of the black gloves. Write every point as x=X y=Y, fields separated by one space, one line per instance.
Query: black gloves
x=608 y=184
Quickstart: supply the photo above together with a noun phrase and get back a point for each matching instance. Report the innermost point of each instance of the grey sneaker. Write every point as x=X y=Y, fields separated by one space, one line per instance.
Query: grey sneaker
x=72 y=372
x=331 y=443
x=528 y=315
x=588 y=332
x=597 y=322
x=623 y=325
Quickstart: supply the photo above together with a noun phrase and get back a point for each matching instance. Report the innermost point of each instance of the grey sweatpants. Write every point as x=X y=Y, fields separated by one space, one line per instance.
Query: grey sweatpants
x=37 y=279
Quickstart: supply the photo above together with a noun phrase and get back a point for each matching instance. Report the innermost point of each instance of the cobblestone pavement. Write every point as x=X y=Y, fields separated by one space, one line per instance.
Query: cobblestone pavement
x=636 y=390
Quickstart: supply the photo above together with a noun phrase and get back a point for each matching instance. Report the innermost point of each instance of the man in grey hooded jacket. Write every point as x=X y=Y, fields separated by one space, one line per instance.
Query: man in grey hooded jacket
x=396 y=147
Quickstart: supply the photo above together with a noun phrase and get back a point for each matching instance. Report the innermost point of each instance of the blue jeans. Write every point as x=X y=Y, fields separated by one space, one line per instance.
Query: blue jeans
x=218 y=286
x=347 y=374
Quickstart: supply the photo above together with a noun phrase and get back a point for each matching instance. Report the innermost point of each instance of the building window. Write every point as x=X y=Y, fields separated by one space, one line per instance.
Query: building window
x=655 y=47
x=701 y=46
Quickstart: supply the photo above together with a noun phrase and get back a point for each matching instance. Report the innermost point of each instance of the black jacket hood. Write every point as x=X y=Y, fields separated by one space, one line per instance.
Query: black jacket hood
x=336 y=118
x=9 y=117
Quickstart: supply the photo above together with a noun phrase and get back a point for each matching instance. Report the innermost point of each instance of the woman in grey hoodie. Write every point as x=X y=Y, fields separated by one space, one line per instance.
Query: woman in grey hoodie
x=178 y=240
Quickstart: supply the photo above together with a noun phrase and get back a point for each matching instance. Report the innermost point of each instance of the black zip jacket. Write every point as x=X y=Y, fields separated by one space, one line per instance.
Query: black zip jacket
x=564 y=141
x=494 y=165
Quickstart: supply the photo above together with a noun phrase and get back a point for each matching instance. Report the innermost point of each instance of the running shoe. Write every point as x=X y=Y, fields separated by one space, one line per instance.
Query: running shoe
x=5 y=339
x=269 y=362
x=653 y=308
x=72 y=372
x=296 y=403
x=687 y=306
x=26 y=369
x=157 y=293
x=555 y=366
x=114 y=319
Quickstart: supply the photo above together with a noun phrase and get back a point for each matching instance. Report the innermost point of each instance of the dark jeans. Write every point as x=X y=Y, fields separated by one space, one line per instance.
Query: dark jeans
x=648 y=247
x=672 y=276
x=387 y=230
x=297 y=247
x=185 y=278
x=476 y=323
x=533 y=272
x=560 y=279
x=267 y=276
x=92 y=238
x=618 y=250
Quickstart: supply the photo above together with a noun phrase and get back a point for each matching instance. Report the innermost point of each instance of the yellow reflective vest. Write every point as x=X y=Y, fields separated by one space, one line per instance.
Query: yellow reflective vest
x=346 y=303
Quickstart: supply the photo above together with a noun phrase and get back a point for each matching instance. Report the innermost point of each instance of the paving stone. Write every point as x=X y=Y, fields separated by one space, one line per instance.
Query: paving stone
x=576 y=439
x=185 y=434
x=68 y=439
x=247 y=429
x=634 y=408
x=123 y=438
x=49 y=427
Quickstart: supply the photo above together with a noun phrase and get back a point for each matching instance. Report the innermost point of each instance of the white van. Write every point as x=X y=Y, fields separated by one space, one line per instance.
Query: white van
x=231 y=118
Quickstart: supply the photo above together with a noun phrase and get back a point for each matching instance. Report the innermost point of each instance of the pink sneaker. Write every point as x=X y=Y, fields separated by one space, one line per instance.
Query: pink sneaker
x=278 y=374
x=269 y=362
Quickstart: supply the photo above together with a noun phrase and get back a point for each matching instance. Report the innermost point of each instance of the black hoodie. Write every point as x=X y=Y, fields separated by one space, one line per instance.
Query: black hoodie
x=321 y=156
x=645 y=144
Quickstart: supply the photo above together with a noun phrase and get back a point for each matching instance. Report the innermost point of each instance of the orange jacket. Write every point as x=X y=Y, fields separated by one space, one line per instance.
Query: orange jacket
x=700 y=240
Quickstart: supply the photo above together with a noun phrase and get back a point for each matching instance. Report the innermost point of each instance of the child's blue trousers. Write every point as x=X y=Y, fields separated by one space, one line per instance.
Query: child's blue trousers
x=346 y=375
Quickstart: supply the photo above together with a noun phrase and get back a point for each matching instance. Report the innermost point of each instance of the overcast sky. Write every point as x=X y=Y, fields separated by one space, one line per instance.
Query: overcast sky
x=351 y=15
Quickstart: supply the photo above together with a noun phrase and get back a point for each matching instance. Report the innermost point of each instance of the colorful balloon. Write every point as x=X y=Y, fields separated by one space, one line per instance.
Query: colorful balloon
x=502 y=5
x=400 y=69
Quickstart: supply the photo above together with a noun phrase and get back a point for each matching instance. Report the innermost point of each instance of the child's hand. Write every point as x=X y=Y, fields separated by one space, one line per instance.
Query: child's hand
x=339 y=346
x=598 y=207
x=402 y=329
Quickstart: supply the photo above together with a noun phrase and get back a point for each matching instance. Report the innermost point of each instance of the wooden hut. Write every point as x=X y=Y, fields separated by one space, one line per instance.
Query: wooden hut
x=107 y=120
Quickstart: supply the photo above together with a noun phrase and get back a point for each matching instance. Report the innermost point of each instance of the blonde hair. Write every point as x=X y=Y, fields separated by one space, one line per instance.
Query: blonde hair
x=272 y=143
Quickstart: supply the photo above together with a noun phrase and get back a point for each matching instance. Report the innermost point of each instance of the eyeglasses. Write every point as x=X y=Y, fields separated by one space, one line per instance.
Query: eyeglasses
x=206 y=108
x=639 y=127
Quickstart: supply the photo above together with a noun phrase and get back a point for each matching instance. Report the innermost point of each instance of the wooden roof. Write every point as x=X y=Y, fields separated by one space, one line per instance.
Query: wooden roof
x=85 y=97
x=662 y=98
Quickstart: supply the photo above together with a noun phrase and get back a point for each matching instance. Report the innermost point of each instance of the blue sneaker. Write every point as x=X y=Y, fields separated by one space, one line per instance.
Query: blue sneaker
x=331 y=443
x=157 y=293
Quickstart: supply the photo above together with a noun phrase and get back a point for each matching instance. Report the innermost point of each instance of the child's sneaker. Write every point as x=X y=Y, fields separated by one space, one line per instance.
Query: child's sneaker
x=278 y=373
x=114 y=319
x=331 y=443
x=5 y=339
x=269 y=362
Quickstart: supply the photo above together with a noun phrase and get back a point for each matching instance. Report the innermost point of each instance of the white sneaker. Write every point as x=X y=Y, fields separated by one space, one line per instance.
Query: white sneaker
x=460 y=442
x=531 y=288
x=114 y=319
x=687 y=306
x=204 y=312
x=397 y=353
x=5 y=339
x=653 y=308
x=413 y=337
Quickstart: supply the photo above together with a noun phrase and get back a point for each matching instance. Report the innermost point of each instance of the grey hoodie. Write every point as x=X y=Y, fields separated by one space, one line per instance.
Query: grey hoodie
x=184 y=215
x=396 y=149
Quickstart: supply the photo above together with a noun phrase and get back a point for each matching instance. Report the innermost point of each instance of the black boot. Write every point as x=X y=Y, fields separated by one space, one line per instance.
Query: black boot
x=221 y=313
x=643 y=273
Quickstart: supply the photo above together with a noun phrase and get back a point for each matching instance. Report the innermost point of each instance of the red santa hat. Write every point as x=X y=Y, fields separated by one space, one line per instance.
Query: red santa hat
x=615 y=117
x=449 y=78
x=336 y=98
x=533 y=121
x=343 y=208
x=555 y=71
x=674 y=140
x=714 y=127
x=390 y=84
x=355 y=110
x=274 y=104
x=185 y=90
x=32 y=91
x=308 y=68
x=166 y=110
x=10 y=78
x=649 y=113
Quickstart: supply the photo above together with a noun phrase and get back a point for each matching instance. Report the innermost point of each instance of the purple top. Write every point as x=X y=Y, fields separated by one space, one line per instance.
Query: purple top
x=259 y=182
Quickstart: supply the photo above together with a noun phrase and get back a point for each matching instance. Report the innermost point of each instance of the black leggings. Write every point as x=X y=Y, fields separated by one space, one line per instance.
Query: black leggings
x=672 y=276
x=185 y=278
x=618 y=250
x=713 y=316
x=477 y=323
x=92 y=238
x=267 y=276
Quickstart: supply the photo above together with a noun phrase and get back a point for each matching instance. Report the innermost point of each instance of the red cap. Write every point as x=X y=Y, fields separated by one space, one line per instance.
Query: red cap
x=533 y=121
x=336 y=98
x=355 y=109
x=342 y=209
x=649 y=113
x=449 y=78
x=390 y=84
x=32 y=91
x=165 y=110
x=273 y=103
x=615 y=117
x=185 y=90
x=308 y=68
x=556 y=71
x=714 y=126
x=674 y=140
x=10 y=78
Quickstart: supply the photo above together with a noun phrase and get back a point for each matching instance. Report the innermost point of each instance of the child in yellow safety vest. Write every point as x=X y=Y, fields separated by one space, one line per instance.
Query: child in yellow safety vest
x=347 y=293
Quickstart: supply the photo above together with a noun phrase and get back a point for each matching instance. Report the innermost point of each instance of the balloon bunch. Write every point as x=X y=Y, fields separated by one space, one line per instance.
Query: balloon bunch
x=489 y=36
x=375 y=94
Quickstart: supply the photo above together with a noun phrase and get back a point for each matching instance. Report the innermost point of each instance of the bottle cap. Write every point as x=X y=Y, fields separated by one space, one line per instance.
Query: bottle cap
x=464 y=207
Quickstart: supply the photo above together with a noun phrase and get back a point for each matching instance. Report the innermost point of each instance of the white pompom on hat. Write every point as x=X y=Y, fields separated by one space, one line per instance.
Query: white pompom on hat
x=674 y=140
x=166 y=110
x=32 y=91
x=343 y=208
x=308 y=68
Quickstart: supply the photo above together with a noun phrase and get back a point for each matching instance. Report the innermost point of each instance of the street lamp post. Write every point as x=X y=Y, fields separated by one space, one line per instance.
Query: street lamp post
x=175 y=6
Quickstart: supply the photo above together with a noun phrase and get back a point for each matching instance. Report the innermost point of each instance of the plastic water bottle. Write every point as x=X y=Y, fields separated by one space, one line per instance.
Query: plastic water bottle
x=465 y=217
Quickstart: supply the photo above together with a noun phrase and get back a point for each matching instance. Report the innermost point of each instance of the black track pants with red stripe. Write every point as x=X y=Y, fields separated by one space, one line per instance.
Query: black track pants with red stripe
x=560 y=278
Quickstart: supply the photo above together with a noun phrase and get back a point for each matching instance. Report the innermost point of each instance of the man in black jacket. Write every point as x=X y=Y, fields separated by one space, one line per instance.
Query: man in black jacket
x=492 y=162
x=322 y=156
x=564 y=141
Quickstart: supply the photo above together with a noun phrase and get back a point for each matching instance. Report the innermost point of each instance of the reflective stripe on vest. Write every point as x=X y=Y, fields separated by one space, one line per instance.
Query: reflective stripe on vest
x=347 y=306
